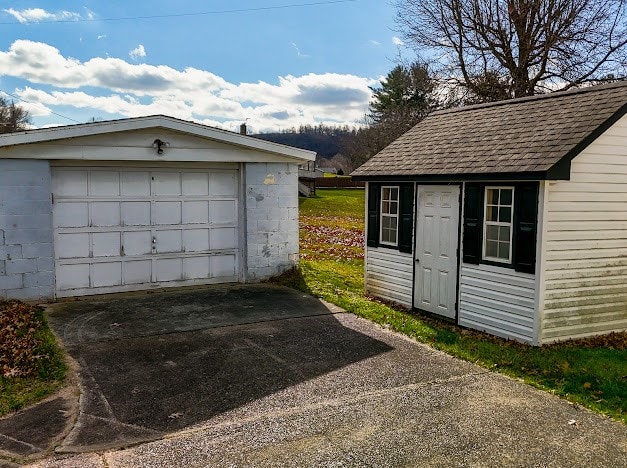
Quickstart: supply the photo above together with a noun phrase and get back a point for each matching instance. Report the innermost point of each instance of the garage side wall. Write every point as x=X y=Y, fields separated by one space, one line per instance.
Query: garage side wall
x=26 y=252
x=271 y=218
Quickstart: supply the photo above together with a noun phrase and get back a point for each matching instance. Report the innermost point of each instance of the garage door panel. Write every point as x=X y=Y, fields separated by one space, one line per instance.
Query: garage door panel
x=166 y=213
x=223 y=266
x=71 y=214
x=195 y=212
x=106 y=221
x=169 y=241
x=106 y=274
x=71 y=245
x=138 y=272
x=169 y=269
x=135 y=184
x=223 y=212
x=195 y=184
x=223 y=184
x=137 y=243
x=166 y=183
x=70 y=183
x=196 y=267
x=106 y=244
x=223 y=238
x=135 y=213
x=104 y=184
x=196 y=240
x=104 y=214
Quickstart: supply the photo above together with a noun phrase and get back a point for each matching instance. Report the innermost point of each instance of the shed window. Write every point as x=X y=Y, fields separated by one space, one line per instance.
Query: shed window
x=497 y=228
x=500 y=225
x=389 y=216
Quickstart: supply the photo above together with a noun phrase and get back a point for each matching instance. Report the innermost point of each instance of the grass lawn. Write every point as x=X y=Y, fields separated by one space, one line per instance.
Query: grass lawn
x=592 y=372
x=32 y=366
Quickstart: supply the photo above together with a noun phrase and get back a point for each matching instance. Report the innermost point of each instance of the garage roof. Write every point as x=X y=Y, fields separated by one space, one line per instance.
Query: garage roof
x=532 y=137
x=157 y=122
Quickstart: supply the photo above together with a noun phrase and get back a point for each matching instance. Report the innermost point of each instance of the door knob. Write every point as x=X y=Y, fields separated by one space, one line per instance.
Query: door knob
x=417 y=260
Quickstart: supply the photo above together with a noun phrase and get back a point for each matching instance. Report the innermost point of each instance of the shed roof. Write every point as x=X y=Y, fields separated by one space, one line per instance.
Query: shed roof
x=532 y=137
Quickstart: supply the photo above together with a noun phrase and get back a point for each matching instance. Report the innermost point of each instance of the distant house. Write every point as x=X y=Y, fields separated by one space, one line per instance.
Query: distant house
x=509 y=217
x=143 y=203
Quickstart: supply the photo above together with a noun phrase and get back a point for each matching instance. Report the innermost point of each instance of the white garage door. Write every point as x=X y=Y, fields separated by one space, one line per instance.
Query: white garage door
x=128 y=229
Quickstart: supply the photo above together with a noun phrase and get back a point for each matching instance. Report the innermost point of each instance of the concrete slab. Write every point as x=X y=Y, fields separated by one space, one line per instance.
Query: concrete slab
x=319 y=390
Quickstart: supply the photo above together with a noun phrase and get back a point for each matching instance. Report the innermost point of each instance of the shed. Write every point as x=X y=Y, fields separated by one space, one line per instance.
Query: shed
x=509 y=217
x=143 y=203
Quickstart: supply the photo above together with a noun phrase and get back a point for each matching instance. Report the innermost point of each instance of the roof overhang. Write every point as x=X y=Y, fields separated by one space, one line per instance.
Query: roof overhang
x=49 y=136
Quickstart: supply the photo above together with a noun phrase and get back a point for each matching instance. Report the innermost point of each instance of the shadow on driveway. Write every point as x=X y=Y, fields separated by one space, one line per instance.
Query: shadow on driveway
x=158 y=363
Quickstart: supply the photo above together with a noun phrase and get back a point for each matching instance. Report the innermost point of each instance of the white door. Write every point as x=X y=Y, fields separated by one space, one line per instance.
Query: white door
x=436 y=249
x=133 y=228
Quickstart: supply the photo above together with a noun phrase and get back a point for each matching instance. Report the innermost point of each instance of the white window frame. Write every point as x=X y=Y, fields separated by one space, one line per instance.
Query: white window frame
x=487 y=223
x=389 y=215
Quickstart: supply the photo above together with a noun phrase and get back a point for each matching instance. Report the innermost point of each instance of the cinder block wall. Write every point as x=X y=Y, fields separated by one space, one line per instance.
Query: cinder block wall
x=26 y=253
x=271 y=218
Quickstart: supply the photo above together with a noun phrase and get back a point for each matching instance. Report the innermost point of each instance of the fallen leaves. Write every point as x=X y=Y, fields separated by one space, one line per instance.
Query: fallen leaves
x=331 y=238
x=18 y=340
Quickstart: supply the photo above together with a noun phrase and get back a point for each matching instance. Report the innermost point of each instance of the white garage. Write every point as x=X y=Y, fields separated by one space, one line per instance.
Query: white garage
x=143 y=203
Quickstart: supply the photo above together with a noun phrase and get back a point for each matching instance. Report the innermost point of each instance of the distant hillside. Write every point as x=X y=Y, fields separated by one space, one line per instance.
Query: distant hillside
x=325 y=145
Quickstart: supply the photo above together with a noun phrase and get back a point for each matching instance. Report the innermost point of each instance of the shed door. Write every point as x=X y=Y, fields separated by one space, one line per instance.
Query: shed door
x=129 y=229
x=436 y=249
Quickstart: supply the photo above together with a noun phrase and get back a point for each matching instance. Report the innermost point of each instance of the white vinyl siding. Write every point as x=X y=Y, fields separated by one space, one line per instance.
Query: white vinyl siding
x=389 y=275
x=586 y=243
x=497 y=300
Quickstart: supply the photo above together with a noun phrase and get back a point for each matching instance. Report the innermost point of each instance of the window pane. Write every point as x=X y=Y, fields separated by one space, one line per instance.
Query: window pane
x=394 y=194
x=504 y=233
x=505 y=215
x=385 y=222
x=492 y=213
x=491 y=248
x=393 y=223
x=385 y=207
x=393 y=208
x=385 y=194
x=385 y=235
x=503 y=250
x=492 y=233
x=506 y=197
x=492 y=197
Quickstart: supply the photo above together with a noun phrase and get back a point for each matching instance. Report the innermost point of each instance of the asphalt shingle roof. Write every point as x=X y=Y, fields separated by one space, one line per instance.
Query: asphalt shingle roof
x=518 y=136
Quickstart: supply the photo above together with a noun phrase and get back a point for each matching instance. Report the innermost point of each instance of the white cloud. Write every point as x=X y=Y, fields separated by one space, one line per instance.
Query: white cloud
x=374 y=43
x=120 y=88
x=35 y=15
x=137 y=52
x=397 y=42
x=298 y=52
x=102 y=36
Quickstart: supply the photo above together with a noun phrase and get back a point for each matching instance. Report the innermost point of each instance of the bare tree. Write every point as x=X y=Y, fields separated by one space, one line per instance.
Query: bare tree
x=513 y=48
x=12 y=118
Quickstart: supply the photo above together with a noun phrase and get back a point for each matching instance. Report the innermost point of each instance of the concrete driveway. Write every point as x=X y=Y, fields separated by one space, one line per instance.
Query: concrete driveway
x=258 y=375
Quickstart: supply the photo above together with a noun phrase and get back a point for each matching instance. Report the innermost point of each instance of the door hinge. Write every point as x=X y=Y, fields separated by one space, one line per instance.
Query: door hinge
x=52 y=198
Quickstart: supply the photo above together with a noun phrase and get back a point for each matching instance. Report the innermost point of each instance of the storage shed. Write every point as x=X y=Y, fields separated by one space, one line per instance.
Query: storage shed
x=510 y=217
x=143 y=203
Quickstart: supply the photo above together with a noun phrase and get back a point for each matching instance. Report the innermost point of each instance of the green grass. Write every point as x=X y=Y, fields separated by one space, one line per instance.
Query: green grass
x=51 y=368
x=592 y=372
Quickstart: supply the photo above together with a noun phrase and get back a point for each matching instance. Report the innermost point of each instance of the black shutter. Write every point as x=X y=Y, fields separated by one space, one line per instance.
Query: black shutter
x=406 y=217
x=525 y=227
x=374 y=194
x=473 y=223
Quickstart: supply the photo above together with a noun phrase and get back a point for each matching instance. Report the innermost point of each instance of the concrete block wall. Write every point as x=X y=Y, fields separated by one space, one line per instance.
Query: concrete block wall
x=26 y=252
x=271 y=218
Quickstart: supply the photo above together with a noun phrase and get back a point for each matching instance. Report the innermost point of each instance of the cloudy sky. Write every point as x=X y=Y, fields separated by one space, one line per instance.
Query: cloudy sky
x=277 y=63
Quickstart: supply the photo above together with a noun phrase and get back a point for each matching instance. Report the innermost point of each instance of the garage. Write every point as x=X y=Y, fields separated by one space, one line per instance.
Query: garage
x=143 y=203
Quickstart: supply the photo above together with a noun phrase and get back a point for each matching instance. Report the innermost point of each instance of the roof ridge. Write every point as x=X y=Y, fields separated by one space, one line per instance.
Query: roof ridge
x=536 y=97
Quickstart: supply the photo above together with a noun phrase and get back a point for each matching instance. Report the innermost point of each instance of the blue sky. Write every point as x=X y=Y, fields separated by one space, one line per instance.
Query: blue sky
x=276 y=67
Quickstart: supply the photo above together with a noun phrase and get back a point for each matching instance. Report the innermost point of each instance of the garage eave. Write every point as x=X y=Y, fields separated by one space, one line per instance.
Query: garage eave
x=10 y=142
